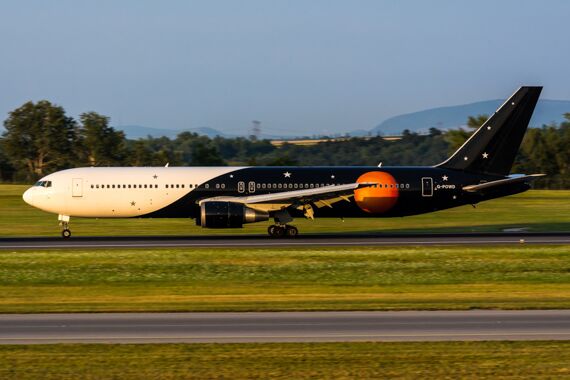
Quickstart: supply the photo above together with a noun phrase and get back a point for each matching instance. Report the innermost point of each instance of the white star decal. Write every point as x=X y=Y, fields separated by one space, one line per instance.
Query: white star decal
x=485 y=155
x=465 y=158
x=287 y=175
x=332 y=176
x=231 y=176
x=489 y=128
x=444 y=178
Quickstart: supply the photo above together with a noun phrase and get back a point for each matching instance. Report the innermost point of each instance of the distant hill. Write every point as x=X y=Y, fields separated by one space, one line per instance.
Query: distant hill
x=138 y=131
x=134 y=132
x=453 y=117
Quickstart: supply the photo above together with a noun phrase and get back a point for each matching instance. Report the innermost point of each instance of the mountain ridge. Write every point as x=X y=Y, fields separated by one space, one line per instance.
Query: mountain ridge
x=453 y=117
x=446 y=117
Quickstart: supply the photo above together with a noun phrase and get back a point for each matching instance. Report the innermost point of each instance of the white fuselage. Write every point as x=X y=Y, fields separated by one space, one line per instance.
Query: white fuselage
x=117 y=192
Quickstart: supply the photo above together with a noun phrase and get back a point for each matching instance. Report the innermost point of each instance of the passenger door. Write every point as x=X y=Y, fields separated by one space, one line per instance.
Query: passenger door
x=427 y=187
x=77 y=187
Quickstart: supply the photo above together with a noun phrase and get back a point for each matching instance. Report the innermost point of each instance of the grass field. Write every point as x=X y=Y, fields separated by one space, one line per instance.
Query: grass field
x=537 y=210
x=453 y=360
x=368 y=278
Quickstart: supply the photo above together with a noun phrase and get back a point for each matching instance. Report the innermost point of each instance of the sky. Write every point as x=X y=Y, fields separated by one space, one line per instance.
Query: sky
x=300 y=67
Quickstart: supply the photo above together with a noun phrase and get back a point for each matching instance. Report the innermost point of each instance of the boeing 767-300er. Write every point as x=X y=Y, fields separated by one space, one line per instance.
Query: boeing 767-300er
x=228 y=197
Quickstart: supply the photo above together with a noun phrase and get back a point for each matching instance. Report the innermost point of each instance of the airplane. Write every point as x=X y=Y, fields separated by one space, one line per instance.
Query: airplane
x=229 y=197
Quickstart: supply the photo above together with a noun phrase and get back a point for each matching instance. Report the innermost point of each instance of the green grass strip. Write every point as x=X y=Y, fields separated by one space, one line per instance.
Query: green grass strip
x=345 y=278
x=450 y=360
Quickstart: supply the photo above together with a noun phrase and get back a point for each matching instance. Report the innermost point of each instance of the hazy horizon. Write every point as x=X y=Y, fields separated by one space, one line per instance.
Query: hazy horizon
x=320 y=67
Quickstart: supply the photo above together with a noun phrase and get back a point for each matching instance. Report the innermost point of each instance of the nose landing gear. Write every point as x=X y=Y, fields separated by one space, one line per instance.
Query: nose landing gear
x=64 y=223
x=65 y=233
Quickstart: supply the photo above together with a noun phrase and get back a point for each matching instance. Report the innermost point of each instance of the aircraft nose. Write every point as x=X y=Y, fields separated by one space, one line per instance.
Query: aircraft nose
x=28 y=196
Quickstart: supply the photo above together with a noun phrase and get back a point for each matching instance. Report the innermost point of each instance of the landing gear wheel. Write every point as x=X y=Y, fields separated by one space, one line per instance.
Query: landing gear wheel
x=279 y=231
x=276 y=231
x=66 y=233
x=291 y=231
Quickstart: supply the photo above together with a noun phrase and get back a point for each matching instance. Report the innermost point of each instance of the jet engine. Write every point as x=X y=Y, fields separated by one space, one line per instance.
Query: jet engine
x=217 y=214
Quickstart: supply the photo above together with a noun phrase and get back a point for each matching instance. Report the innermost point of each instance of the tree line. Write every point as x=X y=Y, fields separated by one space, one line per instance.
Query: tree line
x=39 y=138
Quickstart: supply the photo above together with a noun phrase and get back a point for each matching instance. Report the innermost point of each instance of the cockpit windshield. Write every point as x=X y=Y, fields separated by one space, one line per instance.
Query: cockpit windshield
x=43 y=183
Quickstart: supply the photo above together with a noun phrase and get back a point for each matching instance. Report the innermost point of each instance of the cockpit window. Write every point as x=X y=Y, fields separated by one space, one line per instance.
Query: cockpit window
x=43 y=183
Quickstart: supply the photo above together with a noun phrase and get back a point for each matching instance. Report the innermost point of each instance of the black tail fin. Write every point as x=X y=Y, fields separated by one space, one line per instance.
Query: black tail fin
x=493 y=147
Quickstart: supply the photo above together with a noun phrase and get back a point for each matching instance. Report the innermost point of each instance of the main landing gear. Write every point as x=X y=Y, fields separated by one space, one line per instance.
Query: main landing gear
x=64 y=223
x=281 y=228
x=278 y=231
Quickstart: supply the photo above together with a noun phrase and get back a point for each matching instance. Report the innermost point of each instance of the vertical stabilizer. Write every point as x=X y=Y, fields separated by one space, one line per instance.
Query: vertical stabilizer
x=493 y=147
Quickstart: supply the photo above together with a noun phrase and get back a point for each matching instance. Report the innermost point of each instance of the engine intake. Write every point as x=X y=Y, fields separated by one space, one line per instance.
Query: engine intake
x=217 y=214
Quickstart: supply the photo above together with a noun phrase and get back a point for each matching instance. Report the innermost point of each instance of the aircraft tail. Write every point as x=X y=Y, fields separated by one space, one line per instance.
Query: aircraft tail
x=493 y=147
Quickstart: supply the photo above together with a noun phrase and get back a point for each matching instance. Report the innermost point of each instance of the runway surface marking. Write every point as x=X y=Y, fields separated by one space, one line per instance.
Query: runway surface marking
x=285 y=327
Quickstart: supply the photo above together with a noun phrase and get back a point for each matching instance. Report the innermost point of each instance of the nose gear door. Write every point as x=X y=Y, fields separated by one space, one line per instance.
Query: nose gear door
x=77 y=187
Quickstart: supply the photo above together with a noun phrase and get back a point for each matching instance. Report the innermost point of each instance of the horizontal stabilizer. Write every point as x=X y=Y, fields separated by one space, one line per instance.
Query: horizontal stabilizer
x=501 y=182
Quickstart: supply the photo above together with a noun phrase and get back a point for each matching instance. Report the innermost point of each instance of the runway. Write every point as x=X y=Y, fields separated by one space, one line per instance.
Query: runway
x=285 y=327
x=262 y=241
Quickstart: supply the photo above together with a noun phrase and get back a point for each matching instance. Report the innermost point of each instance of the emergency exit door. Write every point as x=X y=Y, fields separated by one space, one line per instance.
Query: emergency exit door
x=77 y=187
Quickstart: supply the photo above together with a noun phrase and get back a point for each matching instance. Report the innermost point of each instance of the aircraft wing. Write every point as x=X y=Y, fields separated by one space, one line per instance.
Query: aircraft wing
x=301 y=199
x=501 y=182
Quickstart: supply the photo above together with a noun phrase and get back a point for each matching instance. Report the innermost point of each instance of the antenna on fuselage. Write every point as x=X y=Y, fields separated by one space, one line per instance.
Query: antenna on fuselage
x=168 y=163
x=380 y=164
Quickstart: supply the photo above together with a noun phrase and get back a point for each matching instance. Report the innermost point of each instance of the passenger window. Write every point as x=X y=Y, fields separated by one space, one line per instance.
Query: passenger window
x=217 y=185
x=223 y=185
x=92 y=186
x=207 y=186
x=177 y=186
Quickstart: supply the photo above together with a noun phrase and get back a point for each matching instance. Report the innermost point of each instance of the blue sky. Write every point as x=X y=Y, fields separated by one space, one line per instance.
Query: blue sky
x=299 y=66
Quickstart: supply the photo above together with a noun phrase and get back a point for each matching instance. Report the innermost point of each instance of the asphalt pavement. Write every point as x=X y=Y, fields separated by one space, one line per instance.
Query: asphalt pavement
x=285 y=327
x=262 y=241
